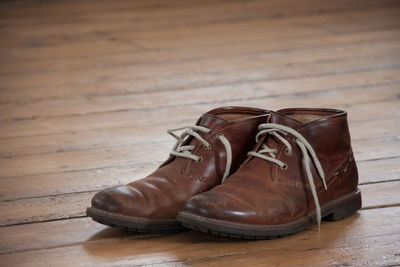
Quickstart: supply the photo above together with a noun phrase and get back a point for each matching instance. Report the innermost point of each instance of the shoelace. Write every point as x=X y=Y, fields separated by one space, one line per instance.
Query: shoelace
x=278 y=130
x=186 y=151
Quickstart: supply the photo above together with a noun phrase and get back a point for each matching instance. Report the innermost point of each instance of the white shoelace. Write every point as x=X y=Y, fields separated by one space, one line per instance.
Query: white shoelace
x=278 y=130
x=186 y=151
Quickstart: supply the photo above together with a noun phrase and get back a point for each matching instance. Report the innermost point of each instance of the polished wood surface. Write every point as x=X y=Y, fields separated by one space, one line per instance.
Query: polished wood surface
x=88 y=88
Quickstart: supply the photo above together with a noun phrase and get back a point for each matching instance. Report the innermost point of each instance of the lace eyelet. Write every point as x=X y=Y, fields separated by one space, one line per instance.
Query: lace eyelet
x=284 y=167
x=207 y=147
x=288 y=152
x=200 y=160
x=219 y=135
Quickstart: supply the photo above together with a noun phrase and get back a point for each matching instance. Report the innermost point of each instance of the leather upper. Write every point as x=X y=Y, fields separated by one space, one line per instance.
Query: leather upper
x=162 y=194
x=261 y=192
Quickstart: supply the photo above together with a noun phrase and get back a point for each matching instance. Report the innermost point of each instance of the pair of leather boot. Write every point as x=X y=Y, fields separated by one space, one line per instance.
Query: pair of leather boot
x=243 y=172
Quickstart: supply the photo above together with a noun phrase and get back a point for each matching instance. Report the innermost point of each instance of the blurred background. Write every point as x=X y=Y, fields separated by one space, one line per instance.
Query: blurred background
x=88 y=89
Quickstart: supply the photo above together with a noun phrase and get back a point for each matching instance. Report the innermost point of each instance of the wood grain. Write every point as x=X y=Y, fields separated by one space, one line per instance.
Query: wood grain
x=87 y=86
x=158 y=151
x=350 y=241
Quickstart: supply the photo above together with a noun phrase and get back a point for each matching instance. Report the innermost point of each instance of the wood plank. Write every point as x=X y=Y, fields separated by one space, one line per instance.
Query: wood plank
x=138 y=77
x=384 y=81
x=365 y=149
x=90 y=27
x=379 y=170
x=72 y=182
x=94 y=121
x=26 y=13
x=380 y=195
x=74 y=205
x=44 y=208
x=362 y=251
x=84 y=86
x=374 y=128
x=208 y=38
x=370 y=237
x=91 y=139
x=204 y=15
x=288 y=41
x=376 y=148
x=63 y=233
x=132 y=134
x=118 y=12
x=85 y=159
x=245 y=49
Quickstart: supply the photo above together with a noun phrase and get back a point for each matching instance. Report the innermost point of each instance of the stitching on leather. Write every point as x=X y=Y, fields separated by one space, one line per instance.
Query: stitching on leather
x=340 y=170
x=330 y=180
x=201 y=179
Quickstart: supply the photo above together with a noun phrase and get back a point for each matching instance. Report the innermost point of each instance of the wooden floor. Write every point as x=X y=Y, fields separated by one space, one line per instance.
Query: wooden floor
x=87 y=86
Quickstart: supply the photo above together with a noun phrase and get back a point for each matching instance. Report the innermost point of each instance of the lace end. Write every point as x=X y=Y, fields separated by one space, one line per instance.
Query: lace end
x=223 y=180
x=319 y=219
x=322 y=175
x=325 y=186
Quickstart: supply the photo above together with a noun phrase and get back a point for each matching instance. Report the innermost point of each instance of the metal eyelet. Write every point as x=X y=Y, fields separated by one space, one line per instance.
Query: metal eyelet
x=207 y=147
x=288 y=152
x=284 y=167
x=200 y=160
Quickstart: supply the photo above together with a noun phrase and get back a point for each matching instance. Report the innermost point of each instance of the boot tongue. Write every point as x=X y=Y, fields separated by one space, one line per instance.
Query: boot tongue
x=209 y=121
x=280 y=118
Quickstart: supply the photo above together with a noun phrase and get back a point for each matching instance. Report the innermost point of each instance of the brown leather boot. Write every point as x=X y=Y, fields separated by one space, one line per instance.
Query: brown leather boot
x=301 y=170
x=203 y=155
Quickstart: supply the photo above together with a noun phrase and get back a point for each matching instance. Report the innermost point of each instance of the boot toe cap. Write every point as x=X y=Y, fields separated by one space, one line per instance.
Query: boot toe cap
x=202 y=205
x=218 y=206
x=226 y=206
x=117 y=199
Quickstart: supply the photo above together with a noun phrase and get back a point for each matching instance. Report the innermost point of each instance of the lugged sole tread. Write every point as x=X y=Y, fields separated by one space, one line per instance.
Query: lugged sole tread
x=133 y=226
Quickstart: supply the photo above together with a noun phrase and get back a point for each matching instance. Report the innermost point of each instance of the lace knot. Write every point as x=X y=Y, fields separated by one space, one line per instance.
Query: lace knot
x=185 y=151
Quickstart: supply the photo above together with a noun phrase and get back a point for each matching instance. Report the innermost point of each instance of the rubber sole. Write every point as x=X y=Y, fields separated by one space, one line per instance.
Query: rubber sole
x=134 y=224
x=334 y=210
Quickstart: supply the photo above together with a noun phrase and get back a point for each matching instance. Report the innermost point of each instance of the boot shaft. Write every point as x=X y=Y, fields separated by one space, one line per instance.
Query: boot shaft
x=326 y=129
x=328 y=133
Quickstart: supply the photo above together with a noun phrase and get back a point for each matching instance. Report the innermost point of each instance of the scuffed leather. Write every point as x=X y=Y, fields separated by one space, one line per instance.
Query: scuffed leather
x=262 y=193
x=162 y=194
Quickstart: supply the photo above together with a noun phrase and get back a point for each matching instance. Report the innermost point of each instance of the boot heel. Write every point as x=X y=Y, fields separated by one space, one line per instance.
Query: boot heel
x=345 y=209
